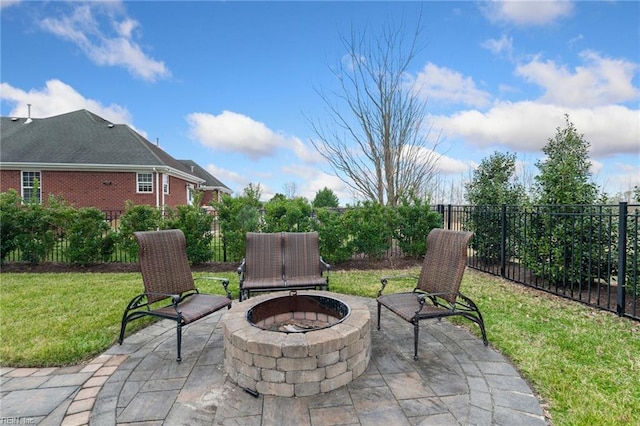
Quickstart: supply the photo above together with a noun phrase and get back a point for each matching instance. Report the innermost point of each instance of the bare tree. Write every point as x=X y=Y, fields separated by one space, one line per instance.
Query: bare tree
x=290 y=189
x=376 y=138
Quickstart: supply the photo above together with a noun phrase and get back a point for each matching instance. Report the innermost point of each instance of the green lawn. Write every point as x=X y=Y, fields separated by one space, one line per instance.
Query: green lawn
x=584 y=363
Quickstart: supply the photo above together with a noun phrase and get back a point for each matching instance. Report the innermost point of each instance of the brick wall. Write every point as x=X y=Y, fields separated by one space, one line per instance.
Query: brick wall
x=103 y=190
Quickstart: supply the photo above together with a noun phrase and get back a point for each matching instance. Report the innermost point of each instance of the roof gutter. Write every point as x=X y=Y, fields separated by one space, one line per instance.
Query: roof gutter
x=102 y=168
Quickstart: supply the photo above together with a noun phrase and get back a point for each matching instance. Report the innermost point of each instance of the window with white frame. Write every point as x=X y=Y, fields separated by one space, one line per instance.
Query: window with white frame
x=145 y=182
x=165 y=183
x=190 y=189
x=31 y=187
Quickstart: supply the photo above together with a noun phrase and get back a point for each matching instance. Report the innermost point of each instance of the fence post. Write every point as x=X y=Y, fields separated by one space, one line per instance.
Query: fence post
x=622 y=256
x=449 y=210
x=503 y=240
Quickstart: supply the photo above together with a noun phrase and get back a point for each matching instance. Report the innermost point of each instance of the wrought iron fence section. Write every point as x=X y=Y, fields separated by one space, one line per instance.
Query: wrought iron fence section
x=588 y=253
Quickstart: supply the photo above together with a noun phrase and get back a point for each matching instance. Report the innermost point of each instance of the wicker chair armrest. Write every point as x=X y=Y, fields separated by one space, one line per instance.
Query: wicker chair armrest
x=175 y=297
x=324 y=265
x=436 y=299
x=242 y=267
x=468 y=303
x=223 y=281
x=385 y=280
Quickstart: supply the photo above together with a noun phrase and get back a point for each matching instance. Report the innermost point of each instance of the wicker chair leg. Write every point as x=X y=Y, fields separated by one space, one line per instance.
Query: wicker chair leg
x=122 y=328
x=179 y=335
x=416 y=332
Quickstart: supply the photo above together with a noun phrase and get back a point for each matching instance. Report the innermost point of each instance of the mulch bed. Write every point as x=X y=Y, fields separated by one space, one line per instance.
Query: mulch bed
x=351 y=265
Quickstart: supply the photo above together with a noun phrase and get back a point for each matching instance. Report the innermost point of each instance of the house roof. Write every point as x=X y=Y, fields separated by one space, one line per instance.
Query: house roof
x=83 y=140
x=210 y=181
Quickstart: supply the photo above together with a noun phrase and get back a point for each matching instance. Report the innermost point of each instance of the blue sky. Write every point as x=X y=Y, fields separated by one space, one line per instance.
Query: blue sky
x=228 y=84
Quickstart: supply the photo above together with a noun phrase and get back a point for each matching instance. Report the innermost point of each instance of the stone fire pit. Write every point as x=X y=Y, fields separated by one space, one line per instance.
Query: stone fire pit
x=298 y=361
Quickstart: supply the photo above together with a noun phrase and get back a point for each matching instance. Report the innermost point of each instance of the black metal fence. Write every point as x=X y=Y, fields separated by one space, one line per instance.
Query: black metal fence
x=588 y=253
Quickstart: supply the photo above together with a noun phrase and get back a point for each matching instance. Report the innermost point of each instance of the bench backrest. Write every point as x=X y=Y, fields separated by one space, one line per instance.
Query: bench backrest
x=263 y=255
x=301 y=254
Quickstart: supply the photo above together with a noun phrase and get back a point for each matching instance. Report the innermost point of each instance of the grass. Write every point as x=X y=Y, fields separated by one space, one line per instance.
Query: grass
x=583 y=362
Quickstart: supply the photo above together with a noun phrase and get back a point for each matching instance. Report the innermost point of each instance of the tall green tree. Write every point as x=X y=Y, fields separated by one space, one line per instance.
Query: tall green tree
x=493 y=184
x=325 y=198
x=564 y=176
x=568 y=243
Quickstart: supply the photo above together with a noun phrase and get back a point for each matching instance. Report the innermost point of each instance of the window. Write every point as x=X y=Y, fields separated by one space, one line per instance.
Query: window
x=190 y=190
x=31 y=188
x=145 y=182
x=165 y=183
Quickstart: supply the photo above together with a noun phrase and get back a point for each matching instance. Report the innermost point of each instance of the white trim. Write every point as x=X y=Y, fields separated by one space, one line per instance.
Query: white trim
x=72 y=167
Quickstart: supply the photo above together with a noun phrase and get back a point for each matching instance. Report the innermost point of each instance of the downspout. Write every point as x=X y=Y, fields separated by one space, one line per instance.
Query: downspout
x=157 y=193
x=162 y=189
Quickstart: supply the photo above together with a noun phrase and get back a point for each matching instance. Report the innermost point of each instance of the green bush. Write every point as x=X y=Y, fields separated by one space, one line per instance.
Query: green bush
x=287 y=214
x=10 y=209
x=137 y=218
x=86 y=236
x=414 y=221
x=195 y=223
x=370 y=226
x=237 y=216
x=333 y=236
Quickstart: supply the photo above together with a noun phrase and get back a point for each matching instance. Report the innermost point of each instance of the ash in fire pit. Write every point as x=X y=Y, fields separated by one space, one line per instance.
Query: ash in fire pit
x=298 y=313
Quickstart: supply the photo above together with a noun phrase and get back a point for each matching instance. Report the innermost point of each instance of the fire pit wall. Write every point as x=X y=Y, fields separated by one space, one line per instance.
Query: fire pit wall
x=296 y=364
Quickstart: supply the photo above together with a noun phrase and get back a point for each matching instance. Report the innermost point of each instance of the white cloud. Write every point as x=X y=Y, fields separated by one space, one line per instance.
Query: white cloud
x=58 y=98
x=600 y=81
x=441 y=84
x=234 y=180
x=233 y=132
x=502 y=46
x=527 y=126
x=313 y=180
x=7 y=3
x=527 y=12
x=82 y=28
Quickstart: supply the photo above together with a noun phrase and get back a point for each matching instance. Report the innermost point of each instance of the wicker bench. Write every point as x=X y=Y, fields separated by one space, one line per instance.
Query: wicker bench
x=282 y=261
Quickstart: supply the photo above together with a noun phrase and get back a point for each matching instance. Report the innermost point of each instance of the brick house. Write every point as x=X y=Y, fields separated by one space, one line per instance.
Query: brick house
x=92 y=162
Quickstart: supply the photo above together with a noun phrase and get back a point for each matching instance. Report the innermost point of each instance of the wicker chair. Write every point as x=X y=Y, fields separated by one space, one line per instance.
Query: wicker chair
x=170 y=292
x=438 y=283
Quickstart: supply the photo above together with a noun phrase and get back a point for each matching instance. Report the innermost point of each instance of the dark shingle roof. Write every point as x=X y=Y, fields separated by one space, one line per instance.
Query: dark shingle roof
x=84 y=139
x=78 y=137
x=210 y=180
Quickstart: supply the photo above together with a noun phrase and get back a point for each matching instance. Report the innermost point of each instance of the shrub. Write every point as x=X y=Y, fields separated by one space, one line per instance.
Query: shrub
x=137 y=218
x=369 y=226
x=414 y=220
x=195 y=223
x=287 y=214
x=10 y=208
x=86 y=235
x=333 y=236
